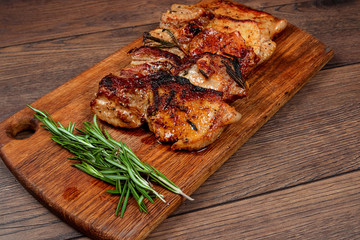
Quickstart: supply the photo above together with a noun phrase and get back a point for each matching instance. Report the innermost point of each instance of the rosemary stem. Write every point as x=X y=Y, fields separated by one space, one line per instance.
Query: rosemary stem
x=175 y=189
x=111 y=161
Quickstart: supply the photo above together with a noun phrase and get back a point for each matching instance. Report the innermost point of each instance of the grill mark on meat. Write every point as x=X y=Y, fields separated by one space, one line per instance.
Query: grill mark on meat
x=145 y=51
x=191 y=124
x=168 y=100
x=194 y=29
x=203 y=73
x=156 y=100
x=106 y=82
x=181 y=80
x=237 y=78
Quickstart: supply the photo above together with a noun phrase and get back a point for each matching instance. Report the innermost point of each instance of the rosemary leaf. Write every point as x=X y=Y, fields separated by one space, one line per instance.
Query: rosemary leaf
x=113 y=162
x=157 y=42
x=125 y=203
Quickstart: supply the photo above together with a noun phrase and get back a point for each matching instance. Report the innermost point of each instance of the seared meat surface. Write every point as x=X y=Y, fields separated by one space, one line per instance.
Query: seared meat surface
x=189 y=69
x=211 y=71
x=184 y=22
x=176 y=111
x=205 y=70
x=220 y=27
x=268 y=25
x=148 y=60
x=190 y=116
x=122 y=101
x=225 y=44
x=226 y=17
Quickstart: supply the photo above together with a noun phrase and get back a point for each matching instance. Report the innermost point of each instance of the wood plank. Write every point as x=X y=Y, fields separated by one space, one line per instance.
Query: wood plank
x=23 y=217
x=43 y=20
x=39 y=20
x=249 y=167
x=326 y=209
x=35 y=69
x=334 y=22
x=66 y=72
x=29 y=71
x=314 y=136
x=30 y=21
x=189 y=170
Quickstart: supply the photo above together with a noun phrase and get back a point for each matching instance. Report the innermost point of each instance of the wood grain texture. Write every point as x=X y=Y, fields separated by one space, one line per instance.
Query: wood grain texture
x=271 y=86
x=333 y=22
x=326 y=209
x=265 y=163
x=41 y=65
x=312 y=137
x=82 y=17
x=326 y=131
x=32 y=70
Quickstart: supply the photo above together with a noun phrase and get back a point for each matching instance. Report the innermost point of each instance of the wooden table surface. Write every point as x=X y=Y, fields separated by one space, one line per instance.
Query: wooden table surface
x=297 y=177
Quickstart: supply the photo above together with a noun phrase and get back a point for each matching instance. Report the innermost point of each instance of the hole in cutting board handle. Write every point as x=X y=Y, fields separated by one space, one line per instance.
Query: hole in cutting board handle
x=22 y=128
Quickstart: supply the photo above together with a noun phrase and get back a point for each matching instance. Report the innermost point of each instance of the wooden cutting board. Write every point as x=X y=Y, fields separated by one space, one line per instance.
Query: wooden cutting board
x=42 y=166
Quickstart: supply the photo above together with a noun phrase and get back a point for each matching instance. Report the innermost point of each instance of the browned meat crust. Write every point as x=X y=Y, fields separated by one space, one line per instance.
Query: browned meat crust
x=268 y=24
x=185 y=21
x=148 y=60
x=191 y=116
x=122 y=101
x=206 y=70
x=215 y=72
x=176 y=111
x=226 y=44
x=189 y=68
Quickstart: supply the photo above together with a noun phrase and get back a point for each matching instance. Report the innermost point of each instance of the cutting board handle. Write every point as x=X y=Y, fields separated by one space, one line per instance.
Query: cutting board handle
x=19 y=126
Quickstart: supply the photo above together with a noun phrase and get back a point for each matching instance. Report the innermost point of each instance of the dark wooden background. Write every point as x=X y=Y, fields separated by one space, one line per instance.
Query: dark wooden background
x=297 y=177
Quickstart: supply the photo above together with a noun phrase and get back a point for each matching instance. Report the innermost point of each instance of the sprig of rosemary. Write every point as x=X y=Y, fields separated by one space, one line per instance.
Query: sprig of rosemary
x=152 y=41
x=157 y=42
x=235 y=73
x=110 y=161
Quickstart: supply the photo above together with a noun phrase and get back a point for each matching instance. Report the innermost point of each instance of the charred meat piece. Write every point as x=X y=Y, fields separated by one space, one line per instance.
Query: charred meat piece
x=221 y=27
x=214 y=72
x=148 y=60
x=185 y=22
x=122 y=101
x=188 y=69
x=268 y=25
x=176 y=111
x=225 y=44
x=205 y=70
x=247 y=29
x=189 y=116
x=257 y=28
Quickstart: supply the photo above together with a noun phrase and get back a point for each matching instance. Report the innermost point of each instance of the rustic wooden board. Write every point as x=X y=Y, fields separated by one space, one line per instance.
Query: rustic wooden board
x=41 y=165
x=327 y=209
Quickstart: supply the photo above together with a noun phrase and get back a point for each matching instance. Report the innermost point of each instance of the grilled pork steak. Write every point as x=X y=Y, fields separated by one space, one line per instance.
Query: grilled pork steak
x=205 y=70
x=122 y=101
x=191 y=116
x=267 y=25
x=215 y=72
x=148 y=60
x=176 y=111
x=188 y=70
